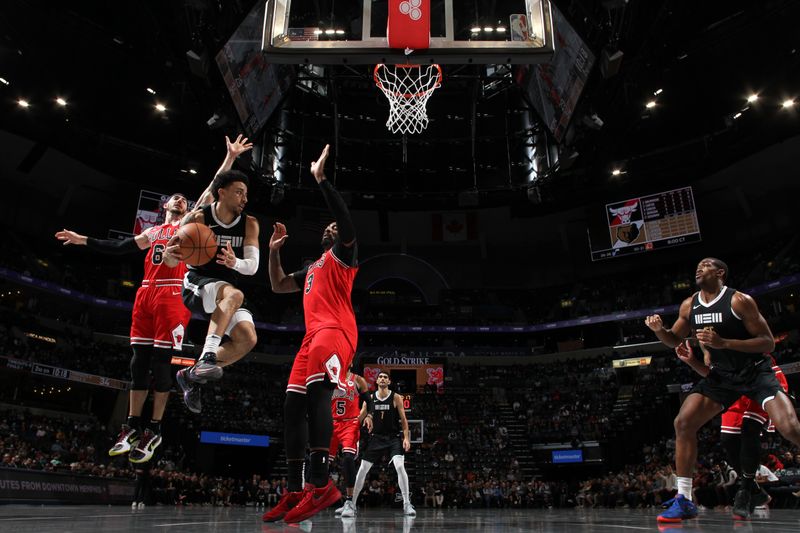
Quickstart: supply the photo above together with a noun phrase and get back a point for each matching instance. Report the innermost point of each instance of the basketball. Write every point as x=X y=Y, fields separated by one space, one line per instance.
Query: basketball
x=198 y=244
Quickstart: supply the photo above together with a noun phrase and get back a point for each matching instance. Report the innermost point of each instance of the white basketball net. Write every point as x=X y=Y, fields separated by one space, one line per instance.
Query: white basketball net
x=407 y=87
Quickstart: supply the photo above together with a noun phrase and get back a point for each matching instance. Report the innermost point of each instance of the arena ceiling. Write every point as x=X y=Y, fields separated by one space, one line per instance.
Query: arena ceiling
x=705 y=58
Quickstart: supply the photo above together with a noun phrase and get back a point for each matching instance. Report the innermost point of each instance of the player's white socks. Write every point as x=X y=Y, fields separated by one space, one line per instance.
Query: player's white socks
x=212 y=343
x=402 y=477
x=685 y=487
x=363 y=470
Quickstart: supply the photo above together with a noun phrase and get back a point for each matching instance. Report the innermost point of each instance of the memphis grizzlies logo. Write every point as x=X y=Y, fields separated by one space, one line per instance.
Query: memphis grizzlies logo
x=708 y=318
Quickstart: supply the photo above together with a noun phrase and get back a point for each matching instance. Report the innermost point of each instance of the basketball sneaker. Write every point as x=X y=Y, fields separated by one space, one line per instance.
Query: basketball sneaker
x=191 y=392
x=680 y=509
x=408 y=509
x=206 y=368
x=314 y=500
x=287 y=503
x=759 y=499
x=126 y=440
x=348 y=510
x=741 y=504
x=146 y=448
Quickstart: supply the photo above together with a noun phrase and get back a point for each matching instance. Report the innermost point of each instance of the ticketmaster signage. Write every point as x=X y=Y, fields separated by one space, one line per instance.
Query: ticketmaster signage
x=234 y=439
x=567 y=456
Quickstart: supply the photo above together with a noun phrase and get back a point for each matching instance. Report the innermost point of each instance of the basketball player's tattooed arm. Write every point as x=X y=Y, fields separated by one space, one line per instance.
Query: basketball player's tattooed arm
x=680 y=329
x=398 y=403
x=278 y=280
x=106 y=246
x=345 y=248
x=234 y=150
x=745 y=307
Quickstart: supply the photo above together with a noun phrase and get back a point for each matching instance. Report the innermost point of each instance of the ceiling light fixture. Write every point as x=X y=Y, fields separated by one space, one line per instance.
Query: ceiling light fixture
x=4 y=81
x=658 y=91
x=651 y=104
x=788 y=103
x=60 y=101
x=752 y=98
x=23 y=103
x=151 y=91
x=161 y=108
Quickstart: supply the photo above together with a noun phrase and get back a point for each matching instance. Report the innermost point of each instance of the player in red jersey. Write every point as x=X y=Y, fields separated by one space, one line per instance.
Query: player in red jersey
x=324 y=356
x=347 y=418
x=159 y=319
x=742 y=423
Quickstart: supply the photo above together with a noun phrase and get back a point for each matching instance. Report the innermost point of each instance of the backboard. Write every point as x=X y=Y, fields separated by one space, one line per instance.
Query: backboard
x=354 y=32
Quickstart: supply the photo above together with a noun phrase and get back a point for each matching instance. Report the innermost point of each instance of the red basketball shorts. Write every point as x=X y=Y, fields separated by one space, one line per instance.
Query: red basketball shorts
x=159 y=318
x=347 y=433
x=325 y=355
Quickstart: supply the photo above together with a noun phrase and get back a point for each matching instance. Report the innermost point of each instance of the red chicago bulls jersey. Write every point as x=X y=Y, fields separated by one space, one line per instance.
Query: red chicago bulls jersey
x=344 y=403
x=155 y=271
x=326 y=297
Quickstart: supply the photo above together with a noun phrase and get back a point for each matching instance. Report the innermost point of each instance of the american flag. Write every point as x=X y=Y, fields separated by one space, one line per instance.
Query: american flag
x=304 y=34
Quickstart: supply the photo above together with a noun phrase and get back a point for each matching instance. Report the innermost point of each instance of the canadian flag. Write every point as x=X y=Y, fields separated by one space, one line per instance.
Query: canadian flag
x=454 y=227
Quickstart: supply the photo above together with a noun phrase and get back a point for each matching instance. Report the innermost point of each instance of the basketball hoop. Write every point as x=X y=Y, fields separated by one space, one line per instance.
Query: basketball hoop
x=407 y=87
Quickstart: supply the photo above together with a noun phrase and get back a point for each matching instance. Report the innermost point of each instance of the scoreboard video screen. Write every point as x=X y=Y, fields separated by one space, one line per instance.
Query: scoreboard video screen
x=645 y=224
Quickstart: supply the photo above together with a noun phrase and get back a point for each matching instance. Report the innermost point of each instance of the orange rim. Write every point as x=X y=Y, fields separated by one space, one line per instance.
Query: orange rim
x=408 y=65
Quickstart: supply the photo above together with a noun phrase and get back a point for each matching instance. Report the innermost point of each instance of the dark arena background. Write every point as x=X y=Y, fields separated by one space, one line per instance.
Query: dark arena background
x=573 y=165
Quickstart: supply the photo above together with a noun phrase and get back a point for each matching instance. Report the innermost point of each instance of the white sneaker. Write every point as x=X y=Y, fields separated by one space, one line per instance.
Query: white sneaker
x=349 y=510
x=141 y=505
x=338 y=511
x=133 y=505
x=408 y=509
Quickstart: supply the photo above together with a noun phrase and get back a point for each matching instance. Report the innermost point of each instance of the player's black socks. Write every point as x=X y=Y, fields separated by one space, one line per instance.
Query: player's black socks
x=155 y=426
x=319 y=468
x=295 y=477
x=135 y=422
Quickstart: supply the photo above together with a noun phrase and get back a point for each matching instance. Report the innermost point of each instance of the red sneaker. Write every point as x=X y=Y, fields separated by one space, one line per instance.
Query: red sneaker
x=314 y=501
x=287 y=503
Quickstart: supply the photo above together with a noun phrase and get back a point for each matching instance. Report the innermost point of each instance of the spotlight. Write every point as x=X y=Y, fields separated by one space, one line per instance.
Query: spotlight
x=651 y=104
x=192 y=171
x=60 y=101
x=318 y=32
x=339 y=32
x=151 y=91
x=752 y=98
x=500 y=29
x=658 y=91
x=616 y=172
x=788 y=103
x=4 y=81
x=737 y=115
x=330 y=32
x=161 y=108
x=23 y=103
x=475 y=29
x=488 y=29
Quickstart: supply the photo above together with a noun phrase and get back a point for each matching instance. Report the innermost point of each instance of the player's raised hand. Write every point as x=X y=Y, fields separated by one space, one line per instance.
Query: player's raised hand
x=278 y=237
x=226 y=256
x=70 y=237
x=237 y=147
x=684 y=352
x=318 y=166
x=654 y=322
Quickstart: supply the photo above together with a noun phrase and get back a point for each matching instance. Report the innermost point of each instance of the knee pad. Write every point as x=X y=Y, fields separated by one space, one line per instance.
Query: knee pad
x=349 y=468
x=161 y=366
x=140 y=367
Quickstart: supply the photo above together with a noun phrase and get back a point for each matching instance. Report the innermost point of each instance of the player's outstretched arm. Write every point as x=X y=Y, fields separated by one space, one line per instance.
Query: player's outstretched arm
x=106 y=246
x=234 y=150
x=278 y=280
x=346 y=244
